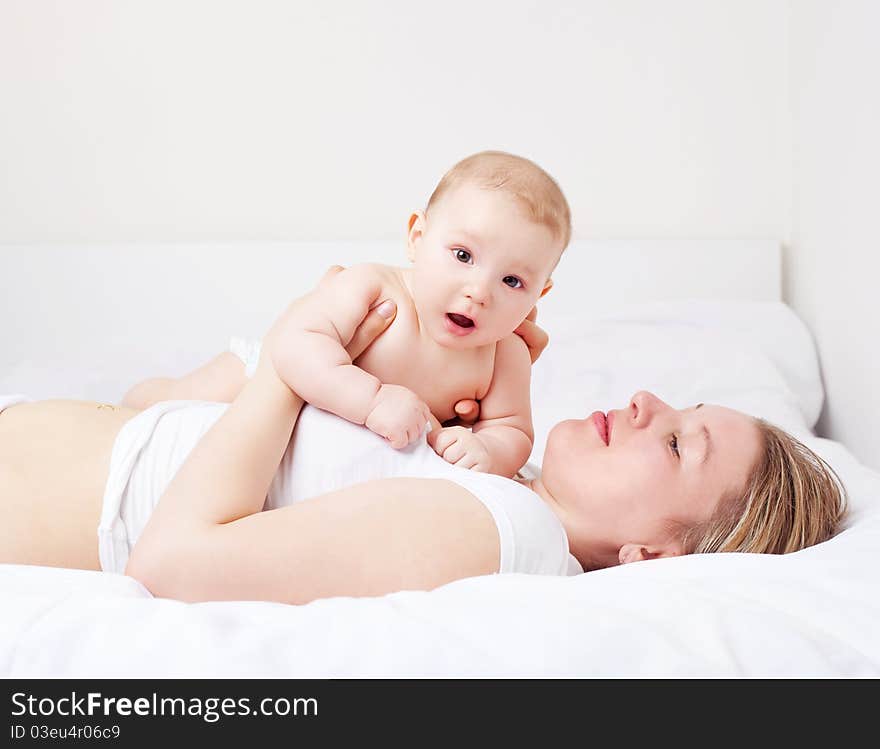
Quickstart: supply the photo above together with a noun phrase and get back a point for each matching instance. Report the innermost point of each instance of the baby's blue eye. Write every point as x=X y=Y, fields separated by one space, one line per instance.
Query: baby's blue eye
x=462 y=255
x=513 y=282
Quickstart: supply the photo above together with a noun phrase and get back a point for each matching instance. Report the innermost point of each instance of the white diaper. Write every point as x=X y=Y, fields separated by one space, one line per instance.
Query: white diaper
x=248 y=350
x=147 y=452
x=135 y=482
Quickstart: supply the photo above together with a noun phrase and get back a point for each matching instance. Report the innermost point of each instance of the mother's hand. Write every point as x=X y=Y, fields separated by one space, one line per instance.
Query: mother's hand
x=380 y=316
x=536 y=340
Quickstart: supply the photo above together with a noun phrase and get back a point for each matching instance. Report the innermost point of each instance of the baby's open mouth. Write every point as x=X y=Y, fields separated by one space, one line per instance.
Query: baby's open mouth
x=460 y=320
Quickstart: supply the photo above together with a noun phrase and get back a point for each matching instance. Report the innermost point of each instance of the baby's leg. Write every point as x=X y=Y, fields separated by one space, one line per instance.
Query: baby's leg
x=220 y=379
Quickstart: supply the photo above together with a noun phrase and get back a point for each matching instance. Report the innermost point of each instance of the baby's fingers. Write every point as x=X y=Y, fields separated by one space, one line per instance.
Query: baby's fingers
x=441 y=439
x=434 y=431
x=467 y=461
x=455 y=452
x=430 y=420
x=412 y=434
x=398 y=439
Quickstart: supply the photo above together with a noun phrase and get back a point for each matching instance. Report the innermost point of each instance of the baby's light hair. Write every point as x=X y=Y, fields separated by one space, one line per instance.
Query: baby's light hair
x=792 y=499
x=535 y=190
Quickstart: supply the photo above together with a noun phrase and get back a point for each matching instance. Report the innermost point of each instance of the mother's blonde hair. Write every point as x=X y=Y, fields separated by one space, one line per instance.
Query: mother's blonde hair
x=792 y=499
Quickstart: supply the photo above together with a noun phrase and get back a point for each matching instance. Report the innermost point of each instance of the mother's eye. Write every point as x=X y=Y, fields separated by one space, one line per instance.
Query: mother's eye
x=462 y=255
x=673 y=444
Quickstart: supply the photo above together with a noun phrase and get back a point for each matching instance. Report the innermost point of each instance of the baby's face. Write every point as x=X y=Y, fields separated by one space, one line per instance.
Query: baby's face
x=479 y=266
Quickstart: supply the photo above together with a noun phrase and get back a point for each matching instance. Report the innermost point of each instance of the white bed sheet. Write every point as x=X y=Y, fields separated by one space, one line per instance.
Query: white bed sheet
x=812 y=613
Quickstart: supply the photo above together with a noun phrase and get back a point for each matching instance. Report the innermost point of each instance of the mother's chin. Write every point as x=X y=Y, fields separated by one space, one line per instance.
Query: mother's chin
x=574 y=437
x=569 y=451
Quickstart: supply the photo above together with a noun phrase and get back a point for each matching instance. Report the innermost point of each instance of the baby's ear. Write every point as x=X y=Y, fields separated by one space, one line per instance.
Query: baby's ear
x=547 y=287
x=415 y=230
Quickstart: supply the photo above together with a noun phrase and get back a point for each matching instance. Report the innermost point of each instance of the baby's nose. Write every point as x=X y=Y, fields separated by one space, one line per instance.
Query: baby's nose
x=477 y=291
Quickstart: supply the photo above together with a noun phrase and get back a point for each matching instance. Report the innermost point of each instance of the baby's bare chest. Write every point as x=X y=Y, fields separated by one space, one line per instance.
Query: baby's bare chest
x=441 y=377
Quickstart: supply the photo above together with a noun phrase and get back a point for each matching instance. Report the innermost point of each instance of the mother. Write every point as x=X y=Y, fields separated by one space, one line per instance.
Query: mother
x=646 y=481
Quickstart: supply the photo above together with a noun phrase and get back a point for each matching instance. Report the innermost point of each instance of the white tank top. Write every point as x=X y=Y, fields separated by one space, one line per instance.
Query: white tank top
x=326 y=453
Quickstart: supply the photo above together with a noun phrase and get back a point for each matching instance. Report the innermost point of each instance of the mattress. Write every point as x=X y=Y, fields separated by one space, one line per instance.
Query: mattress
x=812 y=613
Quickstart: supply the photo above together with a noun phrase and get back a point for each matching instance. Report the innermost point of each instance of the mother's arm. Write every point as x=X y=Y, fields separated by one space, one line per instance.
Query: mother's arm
x=208 y=538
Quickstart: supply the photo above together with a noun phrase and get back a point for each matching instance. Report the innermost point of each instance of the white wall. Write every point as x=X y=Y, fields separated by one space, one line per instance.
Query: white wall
x=832 y=263
x=207 y=119
x=217 y=120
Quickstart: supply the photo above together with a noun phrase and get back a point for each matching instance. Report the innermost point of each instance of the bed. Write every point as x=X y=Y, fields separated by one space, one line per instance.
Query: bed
x=692 y=321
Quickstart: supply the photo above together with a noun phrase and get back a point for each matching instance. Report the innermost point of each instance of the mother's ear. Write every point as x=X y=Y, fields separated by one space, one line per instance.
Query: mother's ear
x=640 y=552
x=414 y=231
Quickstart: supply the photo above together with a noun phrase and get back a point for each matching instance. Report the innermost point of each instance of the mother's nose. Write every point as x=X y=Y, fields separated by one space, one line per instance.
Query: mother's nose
x=643 y=406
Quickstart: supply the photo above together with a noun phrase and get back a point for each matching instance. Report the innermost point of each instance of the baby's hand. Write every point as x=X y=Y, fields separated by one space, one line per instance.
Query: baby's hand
x=398 y=415
x=461 y=447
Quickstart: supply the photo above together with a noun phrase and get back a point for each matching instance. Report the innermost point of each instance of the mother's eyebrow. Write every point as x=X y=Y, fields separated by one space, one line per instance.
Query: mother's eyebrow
x=708 y=447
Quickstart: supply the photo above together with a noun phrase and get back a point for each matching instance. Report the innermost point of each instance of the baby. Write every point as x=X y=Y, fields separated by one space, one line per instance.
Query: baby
x=482 y=254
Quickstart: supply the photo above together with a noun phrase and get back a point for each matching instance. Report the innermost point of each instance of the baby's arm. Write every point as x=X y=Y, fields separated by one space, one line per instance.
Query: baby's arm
x=314 y=363
x=501 y=441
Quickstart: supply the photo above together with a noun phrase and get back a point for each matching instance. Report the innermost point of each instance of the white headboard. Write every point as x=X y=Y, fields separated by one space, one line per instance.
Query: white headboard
x=80 y=319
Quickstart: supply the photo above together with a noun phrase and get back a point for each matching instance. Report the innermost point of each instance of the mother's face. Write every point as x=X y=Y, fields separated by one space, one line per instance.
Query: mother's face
x=619 y=481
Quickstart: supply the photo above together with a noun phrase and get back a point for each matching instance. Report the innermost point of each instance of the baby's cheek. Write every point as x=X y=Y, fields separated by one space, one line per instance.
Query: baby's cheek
x=509 y=319
x=524 y=308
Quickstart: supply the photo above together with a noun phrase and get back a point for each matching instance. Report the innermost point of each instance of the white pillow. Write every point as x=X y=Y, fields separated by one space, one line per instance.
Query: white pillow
x=757 y=357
